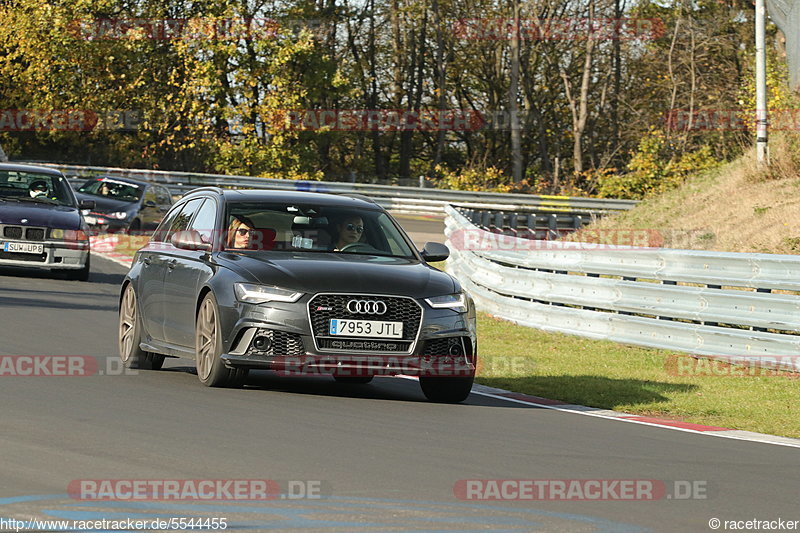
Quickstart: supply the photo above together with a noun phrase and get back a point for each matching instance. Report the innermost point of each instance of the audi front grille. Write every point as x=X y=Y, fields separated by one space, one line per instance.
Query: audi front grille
x=324 y=307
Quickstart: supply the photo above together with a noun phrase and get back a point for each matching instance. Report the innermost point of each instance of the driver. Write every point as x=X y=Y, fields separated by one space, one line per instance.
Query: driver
x=350 y=231
x=38 y=189
x=240 y=232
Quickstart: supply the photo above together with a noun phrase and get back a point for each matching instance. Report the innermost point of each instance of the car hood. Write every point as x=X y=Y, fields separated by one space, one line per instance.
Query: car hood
x=106 y=205
x=329 y=272
x=51 y=216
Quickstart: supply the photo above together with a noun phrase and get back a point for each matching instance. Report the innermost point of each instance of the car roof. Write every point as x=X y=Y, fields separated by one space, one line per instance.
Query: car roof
x=21 y=167
x=301 y=197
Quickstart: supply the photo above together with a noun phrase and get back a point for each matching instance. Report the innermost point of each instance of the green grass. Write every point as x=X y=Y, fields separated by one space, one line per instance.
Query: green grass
x=635 y=380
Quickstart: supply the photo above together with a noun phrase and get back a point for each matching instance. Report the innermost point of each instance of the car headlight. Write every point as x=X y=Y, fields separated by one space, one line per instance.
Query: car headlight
x=69 y=235
x=456 y=302
x=119 y=215
x=253 y=293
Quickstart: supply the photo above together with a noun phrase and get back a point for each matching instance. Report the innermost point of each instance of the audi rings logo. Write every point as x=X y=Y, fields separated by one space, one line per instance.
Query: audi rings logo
x=367 y=307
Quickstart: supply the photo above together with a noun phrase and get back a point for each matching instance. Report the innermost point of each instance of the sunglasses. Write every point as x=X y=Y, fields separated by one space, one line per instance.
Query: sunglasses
x=243 y=231
x=357 y=229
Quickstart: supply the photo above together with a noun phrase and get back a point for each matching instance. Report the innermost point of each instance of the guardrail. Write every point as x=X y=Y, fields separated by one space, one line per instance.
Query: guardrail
x=402 y=199
x=699 y=302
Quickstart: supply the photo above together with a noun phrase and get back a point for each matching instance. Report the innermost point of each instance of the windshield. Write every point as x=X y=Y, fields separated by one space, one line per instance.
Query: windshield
x=36 y=187
x=313 y=228
x=114 y=189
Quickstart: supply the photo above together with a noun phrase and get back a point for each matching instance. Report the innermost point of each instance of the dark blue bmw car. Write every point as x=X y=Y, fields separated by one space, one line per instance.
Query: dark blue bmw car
x=40 y=222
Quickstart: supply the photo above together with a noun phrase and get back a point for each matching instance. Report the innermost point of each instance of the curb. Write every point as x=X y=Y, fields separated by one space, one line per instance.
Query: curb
x=104 y=247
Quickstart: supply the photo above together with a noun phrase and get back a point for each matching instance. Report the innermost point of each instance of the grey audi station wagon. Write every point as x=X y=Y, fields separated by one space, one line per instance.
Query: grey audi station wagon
x=299 y=283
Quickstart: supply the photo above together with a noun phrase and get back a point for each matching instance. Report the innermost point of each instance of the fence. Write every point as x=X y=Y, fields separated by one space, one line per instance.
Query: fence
x=705 y=303
x=401 y=199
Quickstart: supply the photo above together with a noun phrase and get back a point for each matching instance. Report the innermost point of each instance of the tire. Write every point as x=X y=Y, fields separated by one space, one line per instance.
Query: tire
x=211 y=371
x=355 y=380
x=81 y=274
x=446 y=390
x=130 y=333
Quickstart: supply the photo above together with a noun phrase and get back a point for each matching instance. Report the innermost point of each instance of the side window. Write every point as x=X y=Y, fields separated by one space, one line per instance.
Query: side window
x=163 y=228
x=181 y=222
x=205 y=221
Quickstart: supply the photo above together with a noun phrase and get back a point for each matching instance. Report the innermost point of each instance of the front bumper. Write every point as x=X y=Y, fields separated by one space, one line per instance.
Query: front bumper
x=445 y=345
x=67 y=256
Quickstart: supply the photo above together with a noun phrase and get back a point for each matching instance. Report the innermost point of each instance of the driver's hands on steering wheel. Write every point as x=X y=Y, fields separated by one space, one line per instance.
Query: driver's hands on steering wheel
x=353 y=246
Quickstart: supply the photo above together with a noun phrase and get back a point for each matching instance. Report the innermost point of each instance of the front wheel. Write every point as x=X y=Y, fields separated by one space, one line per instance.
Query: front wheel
x=446 y=390
x=211 y=371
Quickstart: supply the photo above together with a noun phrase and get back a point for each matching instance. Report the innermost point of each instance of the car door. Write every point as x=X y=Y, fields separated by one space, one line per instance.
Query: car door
x=185 y=268
x=151 y=277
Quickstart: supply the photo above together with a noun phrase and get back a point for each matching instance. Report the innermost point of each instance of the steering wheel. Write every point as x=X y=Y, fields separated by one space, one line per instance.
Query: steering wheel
x=356 y=247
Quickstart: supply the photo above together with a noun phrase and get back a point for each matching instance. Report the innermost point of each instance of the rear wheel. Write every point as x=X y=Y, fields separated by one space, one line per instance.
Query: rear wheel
x=446 y=390
x=130 y=335
x=211 y=371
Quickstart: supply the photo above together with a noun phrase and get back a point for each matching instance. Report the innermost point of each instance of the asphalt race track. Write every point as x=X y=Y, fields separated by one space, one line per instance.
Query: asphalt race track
x=375 y=457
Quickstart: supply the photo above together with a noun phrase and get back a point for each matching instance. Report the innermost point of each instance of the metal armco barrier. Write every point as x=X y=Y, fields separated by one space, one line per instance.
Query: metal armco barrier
x=409 y=199
x=705 y=303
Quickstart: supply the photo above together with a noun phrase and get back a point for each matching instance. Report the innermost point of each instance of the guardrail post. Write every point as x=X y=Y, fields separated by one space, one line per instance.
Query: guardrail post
x=552 y=227
x=498 y=222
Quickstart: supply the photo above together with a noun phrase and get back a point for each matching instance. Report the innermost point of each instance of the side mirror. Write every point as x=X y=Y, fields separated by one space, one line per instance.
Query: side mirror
x=190 y=240
x=434 y=251
x=149 y=203
x=86 y=204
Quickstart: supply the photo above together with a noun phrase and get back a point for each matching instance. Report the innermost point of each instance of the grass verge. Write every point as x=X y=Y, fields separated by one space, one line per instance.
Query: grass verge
x=631 y=379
